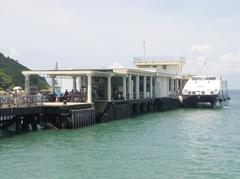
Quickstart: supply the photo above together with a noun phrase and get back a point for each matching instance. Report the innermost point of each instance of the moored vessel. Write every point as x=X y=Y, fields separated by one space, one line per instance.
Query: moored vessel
x=205 y=90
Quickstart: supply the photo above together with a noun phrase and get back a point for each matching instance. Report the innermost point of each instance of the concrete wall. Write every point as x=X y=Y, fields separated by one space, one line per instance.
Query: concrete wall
x=165 y=84
x=170 y=68
x=174 y=68
x=161 y=87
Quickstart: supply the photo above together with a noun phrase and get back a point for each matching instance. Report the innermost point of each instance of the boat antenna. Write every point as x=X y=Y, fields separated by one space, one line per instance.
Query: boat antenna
x=204 y=65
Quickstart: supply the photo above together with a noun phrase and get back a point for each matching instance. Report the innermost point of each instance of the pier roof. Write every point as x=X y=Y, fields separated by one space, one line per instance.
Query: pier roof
x=96 y=72
x=67 y=72
x=134 y=71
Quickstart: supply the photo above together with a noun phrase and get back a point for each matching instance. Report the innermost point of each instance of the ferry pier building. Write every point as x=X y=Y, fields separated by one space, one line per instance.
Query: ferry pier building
x=122 y=92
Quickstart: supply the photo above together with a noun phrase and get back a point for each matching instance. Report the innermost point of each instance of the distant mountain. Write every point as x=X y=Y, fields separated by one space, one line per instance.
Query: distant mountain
x=11 y=75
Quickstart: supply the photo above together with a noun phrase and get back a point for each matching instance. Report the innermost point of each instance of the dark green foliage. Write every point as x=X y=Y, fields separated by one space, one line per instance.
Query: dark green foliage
x=5 y=81
x=11 y=74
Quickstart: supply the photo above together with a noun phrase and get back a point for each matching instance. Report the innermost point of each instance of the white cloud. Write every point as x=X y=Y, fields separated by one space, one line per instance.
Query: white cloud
x=12 y=53
x=201 y=48
x=224 y=65
x=229 y=63
x=115 y=66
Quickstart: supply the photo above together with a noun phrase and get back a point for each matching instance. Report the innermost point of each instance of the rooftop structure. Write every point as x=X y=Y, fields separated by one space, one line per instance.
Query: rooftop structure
x=168 y=64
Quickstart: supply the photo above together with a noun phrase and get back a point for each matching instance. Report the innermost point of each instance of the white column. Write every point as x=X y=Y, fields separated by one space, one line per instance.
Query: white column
x=151 y=87
x=124 y=88
x=137 y=87
x=53 y=83
x=79 y=83
x=109 y=89
x=157 y=90
x=89 y=94
x=145 y=87
x=74 y=83
x=130 y=87
x=27 y=85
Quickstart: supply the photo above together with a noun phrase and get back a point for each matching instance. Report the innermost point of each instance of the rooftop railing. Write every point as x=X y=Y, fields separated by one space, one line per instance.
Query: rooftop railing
x=159 y=59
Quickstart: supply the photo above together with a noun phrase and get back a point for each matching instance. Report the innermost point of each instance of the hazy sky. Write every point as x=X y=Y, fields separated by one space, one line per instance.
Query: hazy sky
x=91 y=33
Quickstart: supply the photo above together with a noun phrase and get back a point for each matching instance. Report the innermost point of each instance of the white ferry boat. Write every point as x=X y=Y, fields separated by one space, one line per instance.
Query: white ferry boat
x=205 y=90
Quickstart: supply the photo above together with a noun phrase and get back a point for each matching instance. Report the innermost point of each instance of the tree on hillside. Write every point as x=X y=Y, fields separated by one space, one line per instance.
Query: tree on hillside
x=5 y=81
x=13 y=74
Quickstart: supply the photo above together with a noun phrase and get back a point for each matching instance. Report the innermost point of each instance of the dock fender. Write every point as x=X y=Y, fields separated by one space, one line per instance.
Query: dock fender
x=180 y=98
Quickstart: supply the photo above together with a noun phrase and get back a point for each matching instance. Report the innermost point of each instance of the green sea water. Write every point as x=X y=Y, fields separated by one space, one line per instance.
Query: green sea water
x=184 y=143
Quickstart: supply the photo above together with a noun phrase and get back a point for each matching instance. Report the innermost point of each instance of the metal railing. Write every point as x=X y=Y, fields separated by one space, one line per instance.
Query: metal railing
x=21 y=101
x=35 y=100
x=75 y=97
x=159 y=59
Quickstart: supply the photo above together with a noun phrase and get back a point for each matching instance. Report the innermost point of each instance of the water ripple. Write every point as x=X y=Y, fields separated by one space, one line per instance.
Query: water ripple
x=184 y=143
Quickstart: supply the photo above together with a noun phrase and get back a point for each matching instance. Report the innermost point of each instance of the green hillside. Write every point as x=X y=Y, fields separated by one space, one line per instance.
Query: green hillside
x=11 y=75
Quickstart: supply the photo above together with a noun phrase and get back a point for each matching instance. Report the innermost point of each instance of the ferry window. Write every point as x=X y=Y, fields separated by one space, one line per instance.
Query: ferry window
x=210 y=78
x=196 y=78
x=204 y=78
x=164 y=67
x=154 y=66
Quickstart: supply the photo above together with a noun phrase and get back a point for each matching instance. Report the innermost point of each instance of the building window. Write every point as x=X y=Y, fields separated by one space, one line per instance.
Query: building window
x=164 y=67
x=169 y=84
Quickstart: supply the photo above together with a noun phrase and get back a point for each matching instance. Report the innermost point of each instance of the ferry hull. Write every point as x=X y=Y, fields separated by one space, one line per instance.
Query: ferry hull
x=194 y=100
